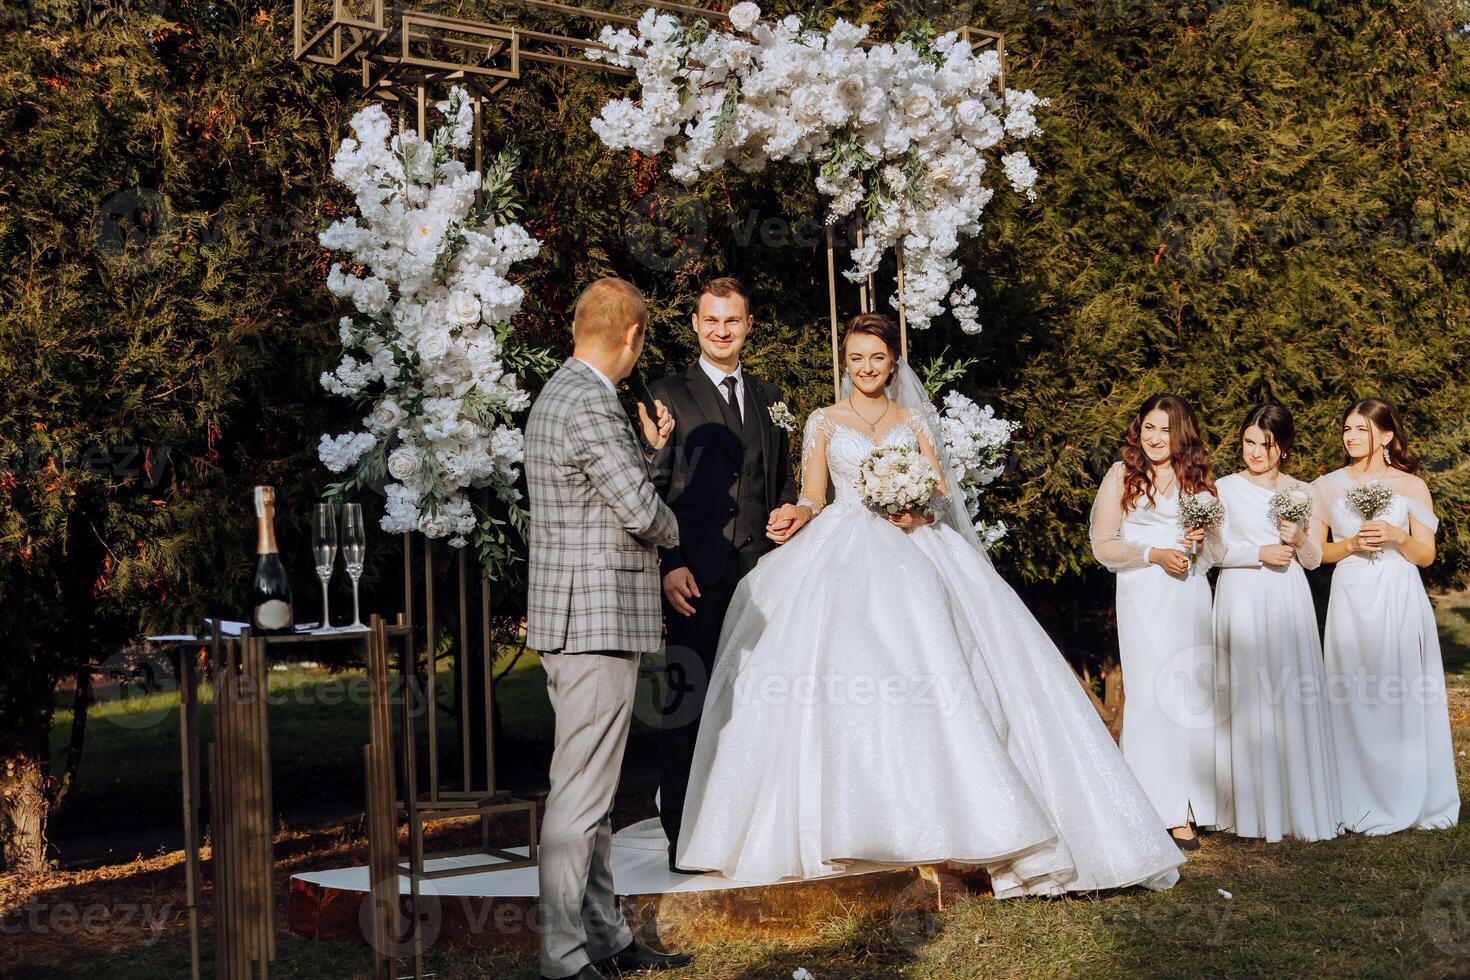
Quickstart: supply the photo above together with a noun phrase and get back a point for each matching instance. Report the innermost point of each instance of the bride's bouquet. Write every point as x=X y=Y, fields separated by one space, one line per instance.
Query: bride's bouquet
x=1370 y=500
x=894 y=479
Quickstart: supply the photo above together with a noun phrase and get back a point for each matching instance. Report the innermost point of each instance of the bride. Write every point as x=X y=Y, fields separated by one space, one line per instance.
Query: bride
x=880 y=694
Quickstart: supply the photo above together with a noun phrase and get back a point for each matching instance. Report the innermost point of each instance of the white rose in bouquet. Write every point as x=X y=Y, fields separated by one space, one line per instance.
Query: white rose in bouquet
x=896 y=479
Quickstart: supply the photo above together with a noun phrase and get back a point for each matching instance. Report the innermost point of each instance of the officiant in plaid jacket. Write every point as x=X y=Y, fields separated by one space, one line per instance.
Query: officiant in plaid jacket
x=593 y=608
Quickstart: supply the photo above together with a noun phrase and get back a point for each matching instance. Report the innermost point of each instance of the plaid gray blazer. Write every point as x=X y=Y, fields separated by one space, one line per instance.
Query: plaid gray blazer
x=596 y=522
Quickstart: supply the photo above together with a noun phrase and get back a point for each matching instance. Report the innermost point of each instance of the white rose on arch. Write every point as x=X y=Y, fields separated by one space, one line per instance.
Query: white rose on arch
x=463 y=308
x=743 y=16
x=386 y=416
x=403 y=463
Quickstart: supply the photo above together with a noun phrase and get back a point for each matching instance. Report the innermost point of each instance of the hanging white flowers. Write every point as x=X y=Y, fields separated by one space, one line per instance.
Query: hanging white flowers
x=901 y=130
x=426 y=349
x=976 y=441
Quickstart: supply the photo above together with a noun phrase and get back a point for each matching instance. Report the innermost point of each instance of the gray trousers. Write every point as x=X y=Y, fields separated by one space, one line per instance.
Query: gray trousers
x=592 y=694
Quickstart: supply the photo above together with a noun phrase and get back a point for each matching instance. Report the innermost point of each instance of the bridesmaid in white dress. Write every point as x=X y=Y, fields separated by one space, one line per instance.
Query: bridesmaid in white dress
x=1165 y=641
x=1385 y=678
x=1274 y=767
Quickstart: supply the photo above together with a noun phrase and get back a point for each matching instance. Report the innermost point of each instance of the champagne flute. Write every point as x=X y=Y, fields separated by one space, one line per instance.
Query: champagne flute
x=354 y=551
x=324 y=549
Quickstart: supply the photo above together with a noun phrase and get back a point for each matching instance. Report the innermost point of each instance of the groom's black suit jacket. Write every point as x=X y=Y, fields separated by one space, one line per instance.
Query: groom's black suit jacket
x=699 y=469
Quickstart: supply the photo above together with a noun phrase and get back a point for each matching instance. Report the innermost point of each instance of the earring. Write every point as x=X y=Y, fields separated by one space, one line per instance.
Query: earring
x=1387 y=458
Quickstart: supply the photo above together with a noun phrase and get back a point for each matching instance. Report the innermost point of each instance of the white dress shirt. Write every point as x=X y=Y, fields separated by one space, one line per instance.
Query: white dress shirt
x=718 y=376
x=605 y=379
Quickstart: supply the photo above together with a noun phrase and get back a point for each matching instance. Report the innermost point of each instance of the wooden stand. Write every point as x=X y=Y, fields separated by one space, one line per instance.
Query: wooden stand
x=241 y=811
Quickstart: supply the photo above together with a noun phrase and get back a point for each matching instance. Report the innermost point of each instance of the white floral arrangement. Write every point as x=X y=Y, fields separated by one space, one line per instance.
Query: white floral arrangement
x=976 y=442
x=902 y=130
x=426 y=347
x=894 y=479
x=1201 y=511
x=1292 y=504
x=1371 y=500
x=782 y=418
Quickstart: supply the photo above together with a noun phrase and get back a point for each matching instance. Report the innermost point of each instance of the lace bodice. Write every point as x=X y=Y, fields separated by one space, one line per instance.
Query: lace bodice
x=844 y=448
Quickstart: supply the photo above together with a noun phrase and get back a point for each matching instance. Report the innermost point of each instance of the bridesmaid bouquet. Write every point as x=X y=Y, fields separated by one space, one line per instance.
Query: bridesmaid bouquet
x=1292 y=504
x=1370 y=500
x=894 y=479
x=1201 y=511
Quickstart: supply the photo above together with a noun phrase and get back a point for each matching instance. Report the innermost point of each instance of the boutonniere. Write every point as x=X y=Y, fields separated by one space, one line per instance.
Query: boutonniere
x=782 y=418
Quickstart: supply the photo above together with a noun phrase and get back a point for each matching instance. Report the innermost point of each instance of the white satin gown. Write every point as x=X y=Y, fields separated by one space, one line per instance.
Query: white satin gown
x=1275 y=772
x=1386 y=687
x=1167 y=650
x=882 y=695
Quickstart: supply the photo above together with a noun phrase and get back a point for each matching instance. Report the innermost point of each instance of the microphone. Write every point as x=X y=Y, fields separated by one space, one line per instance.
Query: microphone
x=640 y=391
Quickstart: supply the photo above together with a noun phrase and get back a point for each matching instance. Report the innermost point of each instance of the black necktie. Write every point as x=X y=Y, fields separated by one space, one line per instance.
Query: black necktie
x=729 y=384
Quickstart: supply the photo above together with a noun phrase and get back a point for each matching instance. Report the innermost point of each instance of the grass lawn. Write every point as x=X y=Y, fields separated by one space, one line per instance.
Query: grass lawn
x=1371 y=907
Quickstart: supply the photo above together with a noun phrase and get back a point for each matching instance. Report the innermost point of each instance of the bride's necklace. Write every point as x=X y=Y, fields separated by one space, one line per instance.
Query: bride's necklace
x=873 y=425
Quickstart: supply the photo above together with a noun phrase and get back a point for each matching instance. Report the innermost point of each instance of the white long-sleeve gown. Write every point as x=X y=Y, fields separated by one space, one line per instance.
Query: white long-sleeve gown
x=1166 y=647
x=1386 y=687
x=1275 y=772
x=883 y=695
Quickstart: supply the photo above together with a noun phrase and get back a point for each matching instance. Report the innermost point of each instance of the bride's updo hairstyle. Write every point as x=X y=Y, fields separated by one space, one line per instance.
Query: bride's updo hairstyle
x=874 y=325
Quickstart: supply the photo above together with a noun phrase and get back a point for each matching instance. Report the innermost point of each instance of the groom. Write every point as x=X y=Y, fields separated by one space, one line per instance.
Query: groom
x=593 y=608
x=726 y=472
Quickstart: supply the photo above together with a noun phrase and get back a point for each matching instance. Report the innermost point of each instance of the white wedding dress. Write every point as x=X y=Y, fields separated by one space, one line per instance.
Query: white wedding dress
x=882 y=695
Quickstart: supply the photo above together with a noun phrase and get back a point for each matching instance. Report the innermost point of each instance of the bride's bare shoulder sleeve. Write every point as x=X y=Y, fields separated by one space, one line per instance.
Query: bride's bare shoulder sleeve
x=1105 y=527
x=814 y=462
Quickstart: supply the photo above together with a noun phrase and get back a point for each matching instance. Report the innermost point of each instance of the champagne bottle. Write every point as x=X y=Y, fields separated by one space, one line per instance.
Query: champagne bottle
x=270 y=595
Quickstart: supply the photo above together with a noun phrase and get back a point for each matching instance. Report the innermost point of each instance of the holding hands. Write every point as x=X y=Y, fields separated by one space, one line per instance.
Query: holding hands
x=785 y=521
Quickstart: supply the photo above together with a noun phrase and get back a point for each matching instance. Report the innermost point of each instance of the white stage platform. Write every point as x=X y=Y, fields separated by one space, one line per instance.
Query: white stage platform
x=496 y=909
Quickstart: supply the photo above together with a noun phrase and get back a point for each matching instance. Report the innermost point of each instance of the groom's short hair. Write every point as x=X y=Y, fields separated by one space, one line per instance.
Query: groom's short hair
x=724 y=286
x=604 y=311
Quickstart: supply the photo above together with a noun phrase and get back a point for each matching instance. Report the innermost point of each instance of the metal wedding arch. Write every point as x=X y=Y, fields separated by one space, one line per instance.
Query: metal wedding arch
x=404 y=57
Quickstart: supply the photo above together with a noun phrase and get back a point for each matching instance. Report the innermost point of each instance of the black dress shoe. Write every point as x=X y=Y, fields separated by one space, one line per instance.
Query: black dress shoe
x=635 y=958
x=588 y=972
x=681 y=871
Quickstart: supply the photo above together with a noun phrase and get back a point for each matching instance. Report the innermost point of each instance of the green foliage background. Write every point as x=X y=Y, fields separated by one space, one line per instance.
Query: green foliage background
x=1239 y=200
